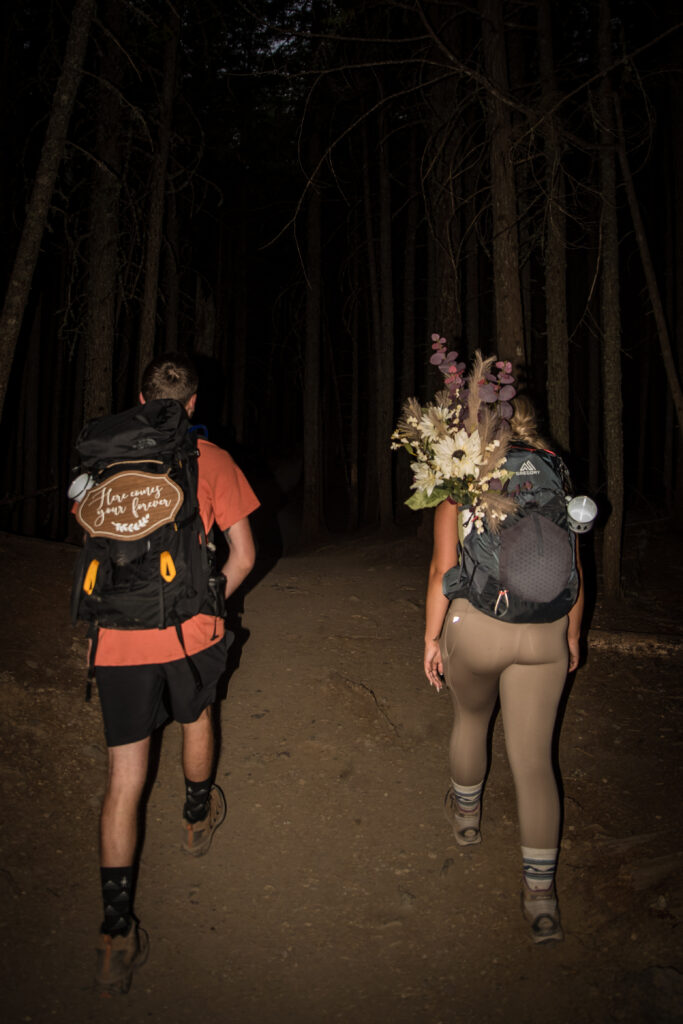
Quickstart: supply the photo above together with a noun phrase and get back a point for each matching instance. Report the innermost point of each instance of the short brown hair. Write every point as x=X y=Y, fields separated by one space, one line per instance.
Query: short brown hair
x=170 y=375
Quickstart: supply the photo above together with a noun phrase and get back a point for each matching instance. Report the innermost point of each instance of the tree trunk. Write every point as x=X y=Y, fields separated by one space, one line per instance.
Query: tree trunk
x=509 y=331
x=374 y=322
x=671 y=436
x=403 y=471
x=204 y=319
x=239 y=284
x=171 y=274
x=610 y=321
x=432 y=298
x=104 y=235
x=555 y=246
x=43 y=186
x=56 y=441
x=444 y=226
x=523 y=187
x=442 y=208
x=384 y=351
x=30 y=444
x=472 y=279
x=650 y=275
x=312 y=505
x=676 y=98
x=643 y=456
x=595 y=422
x=155 y=224
x=409 y=264
x=354 y=430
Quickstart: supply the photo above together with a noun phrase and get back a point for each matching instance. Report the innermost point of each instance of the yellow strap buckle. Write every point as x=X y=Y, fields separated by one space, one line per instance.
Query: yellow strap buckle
x=167 y=566
x=91 y=576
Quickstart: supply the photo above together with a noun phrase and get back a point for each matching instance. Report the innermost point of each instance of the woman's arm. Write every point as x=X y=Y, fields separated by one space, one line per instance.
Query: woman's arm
x=444 y=557
x=575 y=617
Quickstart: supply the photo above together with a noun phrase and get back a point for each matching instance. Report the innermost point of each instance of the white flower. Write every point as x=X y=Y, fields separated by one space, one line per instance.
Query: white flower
x=444 y=455
x=434 y=422
x=458 y=455
x=471 y=447
x=424 y=477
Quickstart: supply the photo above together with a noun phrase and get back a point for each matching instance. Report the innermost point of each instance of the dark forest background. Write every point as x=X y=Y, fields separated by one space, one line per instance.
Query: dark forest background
x=301 y=193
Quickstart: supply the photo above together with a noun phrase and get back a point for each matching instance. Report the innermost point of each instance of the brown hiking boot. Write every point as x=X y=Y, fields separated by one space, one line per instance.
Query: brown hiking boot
x=117 y=957
x=541 y=911
x=197 y=835
x=465 y=825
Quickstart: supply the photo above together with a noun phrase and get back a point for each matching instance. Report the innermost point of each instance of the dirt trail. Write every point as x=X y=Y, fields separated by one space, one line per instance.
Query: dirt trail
x=335 y=892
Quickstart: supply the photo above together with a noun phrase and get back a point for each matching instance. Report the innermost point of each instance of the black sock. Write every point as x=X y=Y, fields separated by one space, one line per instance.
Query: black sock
x=196 y=800
x=116 y=896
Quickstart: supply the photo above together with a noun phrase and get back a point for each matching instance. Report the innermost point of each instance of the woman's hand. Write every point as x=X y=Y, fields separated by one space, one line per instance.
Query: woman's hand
x=574 y=652
x=433 y=664
x=444 y=555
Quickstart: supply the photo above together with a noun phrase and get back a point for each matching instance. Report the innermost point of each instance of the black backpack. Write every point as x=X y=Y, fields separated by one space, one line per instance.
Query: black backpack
x=527 y=571
x=146 y=561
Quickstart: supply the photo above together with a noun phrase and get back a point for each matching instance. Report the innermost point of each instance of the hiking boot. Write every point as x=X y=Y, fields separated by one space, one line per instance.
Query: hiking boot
x=197 y=835
x=540 y=910
x=117 y=957
x=465 y=826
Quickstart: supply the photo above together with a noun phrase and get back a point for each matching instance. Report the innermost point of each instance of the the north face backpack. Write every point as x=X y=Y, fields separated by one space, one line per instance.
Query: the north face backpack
x=146 y=561
x=527 y=571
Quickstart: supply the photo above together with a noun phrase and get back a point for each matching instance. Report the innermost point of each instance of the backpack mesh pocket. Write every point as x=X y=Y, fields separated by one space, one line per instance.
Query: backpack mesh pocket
x=535 y=558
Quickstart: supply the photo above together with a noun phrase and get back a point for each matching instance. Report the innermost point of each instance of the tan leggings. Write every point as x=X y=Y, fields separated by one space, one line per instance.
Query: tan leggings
x=524 y=664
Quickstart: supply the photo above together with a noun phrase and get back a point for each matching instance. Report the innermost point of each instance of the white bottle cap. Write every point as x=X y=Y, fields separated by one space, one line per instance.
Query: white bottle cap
x=80 y=486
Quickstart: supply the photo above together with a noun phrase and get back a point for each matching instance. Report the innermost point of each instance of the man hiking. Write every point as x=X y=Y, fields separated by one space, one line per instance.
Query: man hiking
x=143 y=673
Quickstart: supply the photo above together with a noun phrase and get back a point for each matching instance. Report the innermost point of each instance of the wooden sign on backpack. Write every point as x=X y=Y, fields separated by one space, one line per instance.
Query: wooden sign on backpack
x=129 y=505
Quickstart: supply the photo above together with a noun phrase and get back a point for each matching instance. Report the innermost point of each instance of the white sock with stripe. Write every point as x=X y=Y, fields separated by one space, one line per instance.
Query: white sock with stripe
x=467 y=797
x=538 y=867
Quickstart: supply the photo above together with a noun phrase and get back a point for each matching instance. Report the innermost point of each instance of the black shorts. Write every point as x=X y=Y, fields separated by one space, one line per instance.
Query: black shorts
x=137 y=699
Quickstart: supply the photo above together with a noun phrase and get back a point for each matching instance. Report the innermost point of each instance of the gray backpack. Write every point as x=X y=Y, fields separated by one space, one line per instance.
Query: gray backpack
x=527 y=571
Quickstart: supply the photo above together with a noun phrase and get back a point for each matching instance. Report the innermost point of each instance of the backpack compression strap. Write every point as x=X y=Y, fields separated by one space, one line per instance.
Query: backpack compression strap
x=198 y=684
x=92 y=634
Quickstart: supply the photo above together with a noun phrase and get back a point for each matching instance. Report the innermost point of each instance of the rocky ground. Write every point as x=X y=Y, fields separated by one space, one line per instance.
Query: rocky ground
x=335 y=891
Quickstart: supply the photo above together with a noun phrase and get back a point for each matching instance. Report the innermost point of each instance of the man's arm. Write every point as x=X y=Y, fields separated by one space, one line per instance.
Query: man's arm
x=241 y=557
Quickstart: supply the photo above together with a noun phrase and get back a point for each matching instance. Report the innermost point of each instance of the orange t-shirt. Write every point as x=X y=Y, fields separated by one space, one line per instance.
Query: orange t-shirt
x=225 y=497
